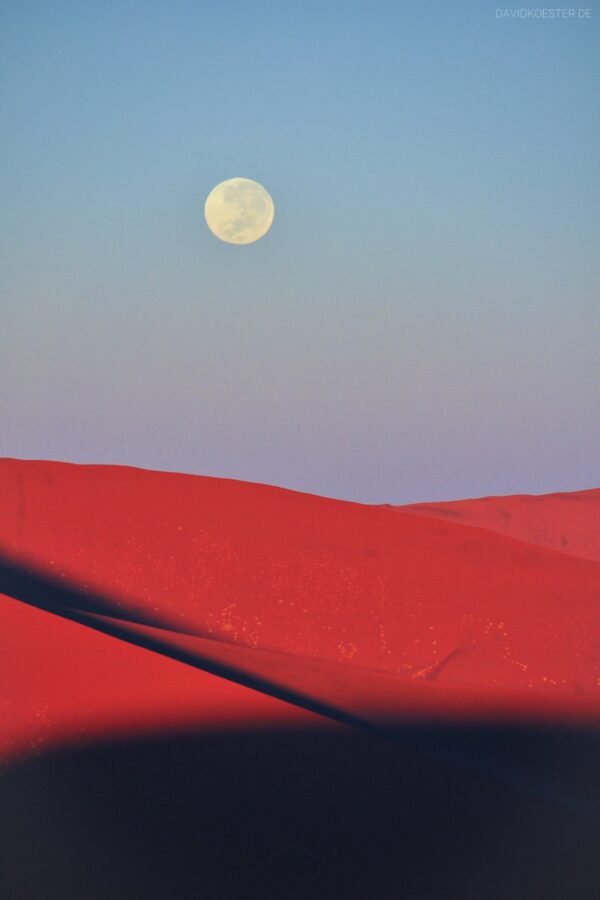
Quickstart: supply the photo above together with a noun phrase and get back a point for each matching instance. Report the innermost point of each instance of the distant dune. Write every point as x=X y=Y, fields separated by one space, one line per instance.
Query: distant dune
x=482 y=610
x=569 y=522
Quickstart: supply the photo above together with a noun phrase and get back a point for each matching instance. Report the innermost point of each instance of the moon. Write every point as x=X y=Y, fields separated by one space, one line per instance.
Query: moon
x=239 y=211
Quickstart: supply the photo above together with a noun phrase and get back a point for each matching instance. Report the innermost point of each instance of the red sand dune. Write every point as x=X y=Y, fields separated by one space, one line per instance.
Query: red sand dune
x=568 y=522
x=365 y=614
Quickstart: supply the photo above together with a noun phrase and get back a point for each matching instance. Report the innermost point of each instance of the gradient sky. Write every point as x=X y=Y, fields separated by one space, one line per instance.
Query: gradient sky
x=421 y=322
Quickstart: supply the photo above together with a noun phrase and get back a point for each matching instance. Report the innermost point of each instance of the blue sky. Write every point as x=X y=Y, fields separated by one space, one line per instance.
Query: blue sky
x=421 y=322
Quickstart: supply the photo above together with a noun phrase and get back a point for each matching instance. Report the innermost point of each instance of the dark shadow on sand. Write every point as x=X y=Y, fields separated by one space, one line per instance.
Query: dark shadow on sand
x=292 y=816
x=416 y=814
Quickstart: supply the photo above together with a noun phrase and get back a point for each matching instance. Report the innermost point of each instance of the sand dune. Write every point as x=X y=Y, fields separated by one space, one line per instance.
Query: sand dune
x=568 y=522
x=331 y=610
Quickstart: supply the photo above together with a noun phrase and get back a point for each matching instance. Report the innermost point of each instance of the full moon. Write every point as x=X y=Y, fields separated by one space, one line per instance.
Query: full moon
x=239 y=211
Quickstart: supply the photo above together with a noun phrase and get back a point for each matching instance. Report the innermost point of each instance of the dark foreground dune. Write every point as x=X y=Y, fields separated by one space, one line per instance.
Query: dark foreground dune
x=219 y=689
x=305 y=815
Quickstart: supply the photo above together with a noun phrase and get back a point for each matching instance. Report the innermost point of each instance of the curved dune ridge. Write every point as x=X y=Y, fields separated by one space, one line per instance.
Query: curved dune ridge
x=137 y=601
